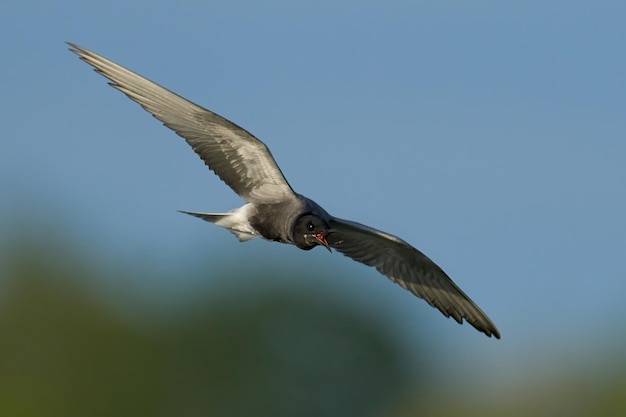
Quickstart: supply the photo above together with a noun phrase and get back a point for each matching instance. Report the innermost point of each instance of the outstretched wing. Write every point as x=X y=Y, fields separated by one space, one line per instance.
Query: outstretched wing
x=409 y=268
x=238 y=158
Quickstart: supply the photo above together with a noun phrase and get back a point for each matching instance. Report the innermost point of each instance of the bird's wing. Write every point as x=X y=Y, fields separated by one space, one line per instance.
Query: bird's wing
x=236 y=156
x=409 y=268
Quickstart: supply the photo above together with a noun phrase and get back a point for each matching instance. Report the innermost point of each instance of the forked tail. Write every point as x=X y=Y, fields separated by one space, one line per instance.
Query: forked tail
x=235 y=221
x=209 y=217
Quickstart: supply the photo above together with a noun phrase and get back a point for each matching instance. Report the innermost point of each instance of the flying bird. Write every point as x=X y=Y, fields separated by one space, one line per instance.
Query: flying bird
x=273 y=210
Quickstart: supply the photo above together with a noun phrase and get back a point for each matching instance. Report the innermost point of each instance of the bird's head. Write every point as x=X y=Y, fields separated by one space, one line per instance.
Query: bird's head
x=310 y=231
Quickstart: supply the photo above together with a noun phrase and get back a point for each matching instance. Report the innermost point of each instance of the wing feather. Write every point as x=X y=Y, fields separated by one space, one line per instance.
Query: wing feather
x=242 y=161
x=409 y=268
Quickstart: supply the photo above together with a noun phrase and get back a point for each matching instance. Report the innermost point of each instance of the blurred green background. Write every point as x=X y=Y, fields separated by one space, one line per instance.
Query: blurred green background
x=80 y=339
x=73 y=349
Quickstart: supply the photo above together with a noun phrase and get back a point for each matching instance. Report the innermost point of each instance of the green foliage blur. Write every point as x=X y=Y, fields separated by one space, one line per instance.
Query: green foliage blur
x=72 y=346
x=71 y=350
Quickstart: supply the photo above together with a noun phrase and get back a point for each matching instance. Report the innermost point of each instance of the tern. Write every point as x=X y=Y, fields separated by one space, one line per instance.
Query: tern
x=273 y=210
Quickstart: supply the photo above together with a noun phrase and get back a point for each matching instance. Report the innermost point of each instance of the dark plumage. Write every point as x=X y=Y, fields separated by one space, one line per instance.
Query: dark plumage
x=273 y=210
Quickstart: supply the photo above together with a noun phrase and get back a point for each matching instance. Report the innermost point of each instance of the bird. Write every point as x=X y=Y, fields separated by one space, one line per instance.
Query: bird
x=272 y=209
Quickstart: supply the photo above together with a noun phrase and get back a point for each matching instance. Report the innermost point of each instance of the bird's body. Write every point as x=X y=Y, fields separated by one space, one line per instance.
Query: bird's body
x=273 y=210
x=256 y=220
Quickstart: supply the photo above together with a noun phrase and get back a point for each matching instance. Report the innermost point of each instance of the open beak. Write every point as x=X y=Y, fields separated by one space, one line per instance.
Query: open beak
x=322 y=238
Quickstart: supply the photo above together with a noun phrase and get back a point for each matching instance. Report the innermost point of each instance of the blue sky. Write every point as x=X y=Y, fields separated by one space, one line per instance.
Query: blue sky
x=491 y=135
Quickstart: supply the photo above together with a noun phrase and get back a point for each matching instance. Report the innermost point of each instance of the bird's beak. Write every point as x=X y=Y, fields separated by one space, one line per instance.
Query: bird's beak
x=322 y=238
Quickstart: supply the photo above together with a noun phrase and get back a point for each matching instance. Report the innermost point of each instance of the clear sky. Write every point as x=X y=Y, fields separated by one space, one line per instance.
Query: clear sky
x=491 y=135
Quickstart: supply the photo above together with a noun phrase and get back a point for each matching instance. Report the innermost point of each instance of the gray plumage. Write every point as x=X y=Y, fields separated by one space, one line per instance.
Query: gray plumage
x=273 y=210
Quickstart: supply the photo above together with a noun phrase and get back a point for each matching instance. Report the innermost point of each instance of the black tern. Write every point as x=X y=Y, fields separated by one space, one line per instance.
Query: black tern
x=273 y=210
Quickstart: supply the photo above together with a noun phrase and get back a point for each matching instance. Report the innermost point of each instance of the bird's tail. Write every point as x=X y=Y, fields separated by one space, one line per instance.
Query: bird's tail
x=209 y=217
x=236 y=222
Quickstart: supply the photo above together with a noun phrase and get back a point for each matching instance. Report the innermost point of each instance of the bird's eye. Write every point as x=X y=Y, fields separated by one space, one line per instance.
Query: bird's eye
x=310 y=226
